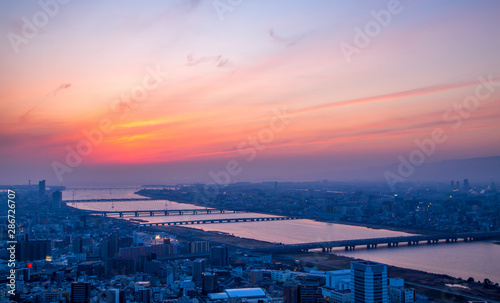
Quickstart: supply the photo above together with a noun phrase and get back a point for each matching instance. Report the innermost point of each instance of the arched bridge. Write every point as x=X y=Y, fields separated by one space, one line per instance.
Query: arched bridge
x=389 y=241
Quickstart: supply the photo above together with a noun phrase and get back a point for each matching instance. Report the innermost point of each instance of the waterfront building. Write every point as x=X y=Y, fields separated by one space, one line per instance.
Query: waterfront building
x=368 y=282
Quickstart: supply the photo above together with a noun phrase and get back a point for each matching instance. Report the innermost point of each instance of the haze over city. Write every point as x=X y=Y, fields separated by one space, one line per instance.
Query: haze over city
x=188 y=86
x=250 y=151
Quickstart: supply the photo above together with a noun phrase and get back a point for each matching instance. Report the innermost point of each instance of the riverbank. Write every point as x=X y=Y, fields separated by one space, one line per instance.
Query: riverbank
x=425 y=283
x=406 y=229
x=190 y=234
x=444 y=287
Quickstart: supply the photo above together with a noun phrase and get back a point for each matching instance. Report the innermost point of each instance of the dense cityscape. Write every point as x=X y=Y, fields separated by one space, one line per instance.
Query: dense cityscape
x=232 y=151
x=66 y=254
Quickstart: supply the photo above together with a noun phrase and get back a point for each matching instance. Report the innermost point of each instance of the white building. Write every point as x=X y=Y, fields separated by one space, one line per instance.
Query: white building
x=250 y=295
x=338 y=279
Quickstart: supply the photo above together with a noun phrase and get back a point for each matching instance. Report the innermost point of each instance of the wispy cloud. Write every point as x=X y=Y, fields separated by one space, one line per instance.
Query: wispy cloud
x=287 y=41
x=219 y=60
x=391 y=96
x=61 y=87
x=24 y=117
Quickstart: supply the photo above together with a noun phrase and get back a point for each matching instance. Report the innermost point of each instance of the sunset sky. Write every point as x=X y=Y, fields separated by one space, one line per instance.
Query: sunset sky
x=210 y=76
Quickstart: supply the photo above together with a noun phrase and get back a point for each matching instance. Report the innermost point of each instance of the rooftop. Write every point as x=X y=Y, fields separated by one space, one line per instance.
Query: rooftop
x=245 y=293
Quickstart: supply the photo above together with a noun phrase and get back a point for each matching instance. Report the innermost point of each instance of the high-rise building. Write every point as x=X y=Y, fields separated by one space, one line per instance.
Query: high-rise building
x=466 y=184
x=80 y=292
x=144 y=295
x=109 y=246
x=169 y=275
x=113 y=246
x=41 y=188
x=291 y=292
x=196 y=247
x=209 y=283
x=198 y=268
x=57 y=199
x=77 y=245
x=369 y=282
x=219 y=255
x=33 y=250
x=104 y=248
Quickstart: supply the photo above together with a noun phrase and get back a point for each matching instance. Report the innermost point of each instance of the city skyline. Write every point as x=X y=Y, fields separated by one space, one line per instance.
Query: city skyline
x=286 y=90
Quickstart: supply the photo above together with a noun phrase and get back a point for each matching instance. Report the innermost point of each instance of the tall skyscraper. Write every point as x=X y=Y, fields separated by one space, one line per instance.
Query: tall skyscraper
x=80 y=292
x=41 y=188
x=198 y=268
x=466 y=184
x=369 y=282
x=219 y=255
x=57 y=199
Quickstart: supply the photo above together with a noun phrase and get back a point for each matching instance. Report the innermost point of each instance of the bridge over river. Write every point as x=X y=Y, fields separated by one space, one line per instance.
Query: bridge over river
x=374 y=242
x=110 y=200
x=220 y=220
x=161 y=212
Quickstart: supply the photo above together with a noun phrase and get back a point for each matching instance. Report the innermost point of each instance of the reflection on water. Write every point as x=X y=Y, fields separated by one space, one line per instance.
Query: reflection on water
x=479 y=260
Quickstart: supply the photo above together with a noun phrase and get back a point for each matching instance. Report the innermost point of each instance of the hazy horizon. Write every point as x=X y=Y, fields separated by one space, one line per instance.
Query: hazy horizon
x=190 y=91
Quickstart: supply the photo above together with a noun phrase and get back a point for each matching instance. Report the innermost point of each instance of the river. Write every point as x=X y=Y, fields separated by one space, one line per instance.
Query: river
x=479 y=260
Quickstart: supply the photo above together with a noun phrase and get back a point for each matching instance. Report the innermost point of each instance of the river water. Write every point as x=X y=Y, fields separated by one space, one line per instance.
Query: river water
x=479 y=260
